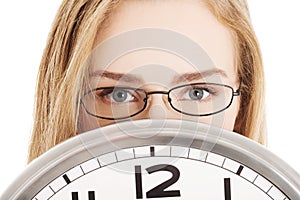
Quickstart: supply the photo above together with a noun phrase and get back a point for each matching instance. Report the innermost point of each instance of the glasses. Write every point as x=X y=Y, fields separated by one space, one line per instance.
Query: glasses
x=197 y=99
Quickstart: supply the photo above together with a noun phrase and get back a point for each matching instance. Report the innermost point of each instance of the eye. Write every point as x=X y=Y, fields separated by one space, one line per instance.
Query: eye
x=116 y=95
x=196 y=94
x=120 y=95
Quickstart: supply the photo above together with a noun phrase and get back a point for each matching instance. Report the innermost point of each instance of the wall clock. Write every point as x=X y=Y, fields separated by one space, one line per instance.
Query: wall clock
x=157 y=159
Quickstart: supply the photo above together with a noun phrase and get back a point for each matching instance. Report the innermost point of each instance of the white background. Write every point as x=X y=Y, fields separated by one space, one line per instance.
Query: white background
x=24 y=29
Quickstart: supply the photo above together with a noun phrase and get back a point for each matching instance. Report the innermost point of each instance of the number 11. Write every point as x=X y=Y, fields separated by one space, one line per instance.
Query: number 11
x=90 y=193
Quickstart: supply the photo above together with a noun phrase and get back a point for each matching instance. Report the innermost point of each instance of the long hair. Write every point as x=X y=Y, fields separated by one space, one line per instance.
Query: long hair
x=62 y=70
x=251 y=119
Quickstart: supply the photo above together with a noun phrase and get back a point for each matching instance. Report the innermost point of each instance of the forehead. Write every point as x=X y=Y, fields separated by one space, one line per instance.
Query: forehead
x=190 y=18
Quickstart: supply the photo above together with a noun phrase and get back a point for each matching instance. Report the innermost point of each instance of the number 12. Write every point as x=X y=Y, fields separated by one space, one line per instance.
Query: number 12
x=158 y=191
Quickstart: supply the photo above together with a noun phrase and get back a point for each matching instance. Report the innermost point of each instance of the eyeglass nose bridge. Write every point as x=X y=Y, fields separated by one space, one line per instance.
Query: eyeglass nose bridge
x=158 y=92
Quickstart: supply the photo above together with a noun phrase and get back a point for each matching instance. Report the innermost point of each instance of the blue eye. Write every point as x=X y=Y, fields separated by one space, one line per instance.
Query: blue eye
x=120 y=95
x=196 y=94
x=116 y=95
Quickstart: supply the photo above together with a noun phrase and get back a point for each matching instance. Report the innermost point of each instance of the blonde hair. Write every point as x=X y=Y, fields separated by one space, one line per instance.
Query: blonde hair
x=61 y=74
x=251 y=119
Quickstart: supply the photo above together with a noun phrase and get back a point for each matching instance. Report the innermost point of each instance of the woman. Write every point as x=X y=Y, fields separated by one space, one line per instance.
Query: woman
x=65 y=87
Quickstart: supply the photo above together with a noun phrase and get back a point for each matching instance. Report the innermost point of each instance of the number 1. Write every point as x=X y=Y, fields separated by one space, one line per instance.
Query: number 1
x=227 y=189
x=138 y=182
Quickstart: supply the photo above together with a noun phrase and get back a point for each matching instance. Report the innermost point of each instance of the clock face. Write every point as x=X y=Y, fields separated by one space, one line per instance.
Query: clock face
x=142 y=160
x=170 y=172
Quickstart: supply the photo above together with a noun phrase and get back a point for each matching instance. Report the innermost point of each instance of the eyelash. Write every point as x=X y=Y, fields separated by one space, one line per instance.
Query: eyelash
x=104 y=92
x=211 y=91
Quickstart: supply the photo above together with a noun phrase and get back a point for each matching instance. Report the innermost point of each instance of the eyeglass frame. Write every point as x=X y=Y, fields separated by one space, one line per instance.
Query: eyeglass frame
x=234 y=93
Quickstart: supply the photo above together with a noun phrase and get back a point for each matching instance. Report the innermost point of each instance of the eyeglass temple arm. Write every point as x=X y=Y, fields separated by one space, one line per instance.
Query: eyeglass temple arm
x=238 y=91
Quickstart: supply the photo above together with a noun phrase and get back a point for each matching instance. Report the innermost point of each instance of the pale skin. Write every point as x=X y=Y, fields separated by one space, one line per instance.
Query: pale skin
x=154 y=70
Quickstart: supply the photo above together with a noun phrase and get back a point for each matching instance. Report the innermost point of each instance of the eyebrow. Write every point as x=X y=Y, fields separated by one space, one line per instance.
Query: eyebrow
x=198 y=75
x=178 y=79
x=116 y=76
